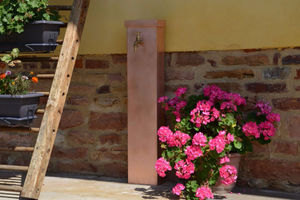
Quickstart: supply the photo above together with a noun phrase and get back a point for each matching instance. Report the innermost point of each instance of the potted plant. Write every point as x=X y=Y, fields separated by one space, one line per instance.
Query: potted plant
x=206 y=130
x=17 y=105
x=28 y=25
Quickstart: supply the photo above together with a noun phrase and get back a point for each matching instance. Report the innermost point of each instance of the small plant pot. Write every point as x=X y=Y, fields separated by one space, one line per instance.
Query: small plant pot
x=18 y=109
x=220 y=188
x=39 y=36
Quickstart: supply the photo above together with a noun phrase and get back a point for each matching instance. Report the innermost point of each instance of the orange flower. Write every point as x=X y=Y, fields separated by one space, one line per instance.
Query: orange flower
x=35 y=79
x=31 y=73
x=2 y=76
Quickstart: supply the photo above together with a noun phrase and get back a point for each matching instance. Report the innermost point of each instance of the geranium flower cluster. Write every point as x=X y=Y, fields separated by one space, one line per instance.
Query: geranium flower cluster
x=175 y=104
x=229 y=101
x=204 y=113
x=178 y=189
x=265 y=129
x=206 y=128
x=184 y=169
x=228 y=174
x=162 y=166
x=204 y=192
x=218 y=143
x=177 y=139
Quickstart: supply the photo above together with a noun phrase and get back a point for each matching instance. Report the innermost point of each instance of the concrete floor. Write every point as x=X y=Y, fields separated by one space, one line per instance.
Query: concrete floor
x=93 y=188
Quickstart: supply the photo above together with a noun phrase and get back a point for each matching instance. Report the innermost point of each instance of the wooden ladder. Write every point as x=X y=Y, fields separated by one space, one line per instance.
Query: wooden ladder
x=36 y=171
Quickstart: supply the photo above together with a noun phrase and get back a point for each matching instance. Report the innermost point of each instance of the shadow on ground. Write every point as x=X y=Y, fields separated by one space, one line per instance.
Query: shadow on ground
x=156 y=192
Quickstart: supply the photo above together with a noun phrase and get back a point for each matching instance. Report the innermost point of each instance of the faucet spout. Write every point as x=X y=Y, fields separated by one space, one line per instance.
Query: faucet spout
x=138 y=41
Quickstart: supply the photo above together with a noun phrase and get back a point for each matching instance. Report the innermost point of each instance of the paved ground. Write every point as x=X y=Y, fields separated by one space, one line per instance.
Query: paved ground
x=92 y=188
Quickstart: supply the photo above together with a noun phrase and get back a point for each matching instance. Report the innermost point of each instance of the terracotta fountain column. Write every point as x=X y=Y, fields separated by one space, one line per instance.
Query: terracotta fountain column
x=145 y=71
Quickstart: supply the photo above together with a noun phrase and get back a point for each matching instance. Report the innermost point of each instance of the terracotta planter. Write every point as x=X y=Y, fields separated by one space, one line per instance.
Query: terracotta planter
x=220 y=188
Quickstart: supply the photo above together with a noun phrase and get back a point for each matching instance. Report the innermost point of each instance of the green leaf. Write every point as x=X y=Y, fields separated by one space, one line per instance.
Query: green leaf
x=6 y=58
x=46 y=16
x=15 y=53
x=237 y=144
x=170 y=154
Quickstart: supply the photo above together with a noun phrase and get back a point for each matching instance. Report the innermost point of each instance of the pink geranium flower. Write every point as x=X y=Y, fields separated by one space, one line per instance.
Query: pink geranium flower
x=224 y=160
x=200 y=139
x=267 y=129
x=193 y=152
x=204 y=113
x=204 y=192
x=218 y=143
x=178 y=139
x=228 y=173
x=180 y=91
x=162 y=99
x=230 y=138
x=162 y=166
x=178 y=189
x=264 y=108
x=184 y=169
x=164 y=134
x=251 y=129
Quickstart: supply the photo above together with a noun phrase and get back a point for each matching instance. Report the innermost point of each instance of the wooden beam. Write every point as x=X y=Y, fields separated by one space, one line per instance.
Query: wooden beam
x=45 y=76
x=17 y=149
x=54 y=108
x=45 y=93
x=11 y=188
x=26 y=58
x=60 y=42
x=19 y=129
x=40 y=111
x=13 y=168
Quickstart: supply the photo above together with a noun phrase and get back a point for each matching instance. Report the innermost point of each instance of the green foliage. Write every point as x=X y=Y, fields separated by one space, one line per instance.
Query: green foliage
x=173 y=154
x=228 y=121
x=184 y=125
x=252 y=117
x=191 y=188
x=15 y=14
x=9 y=58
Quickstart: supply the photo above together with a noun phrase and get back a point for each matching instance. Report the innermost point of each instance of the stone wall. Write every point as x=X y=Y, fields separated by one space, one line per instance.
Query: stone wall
x=93 y=137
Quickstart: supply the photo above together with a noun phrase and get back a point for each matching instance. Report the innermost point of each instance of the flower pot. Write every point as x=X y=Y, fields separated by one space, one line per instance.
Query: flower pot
x=37 y=36
x=18 y=109
x=220 y=188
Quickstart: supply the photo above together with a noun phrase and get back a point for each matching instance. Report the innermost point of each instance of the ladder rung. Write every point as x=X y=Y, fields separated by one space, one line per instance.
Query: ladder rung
x=40 y=111
x=13 y=168
x=45 y=93
x=45 y=75
x=20 y=129
x=26 y=58
x=60 y=7
x=59 y=42
x=20 y=149
x=12 y=188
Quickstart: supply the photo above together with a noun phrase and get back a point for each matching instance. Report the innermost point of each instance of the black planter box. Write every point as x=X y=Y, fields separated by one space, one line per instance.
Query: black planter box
x=18 y=109
x=39 y=36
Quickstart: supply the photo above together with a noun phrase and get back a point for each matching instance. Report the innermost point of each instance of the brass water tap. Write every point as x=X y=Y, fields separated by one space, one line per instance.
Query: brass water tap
x=138 y=41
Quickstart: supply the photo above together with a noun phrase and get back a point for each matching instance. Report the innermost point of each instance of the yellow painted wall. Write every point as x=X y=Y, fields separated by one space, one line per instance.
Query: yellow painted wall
x=194 y=25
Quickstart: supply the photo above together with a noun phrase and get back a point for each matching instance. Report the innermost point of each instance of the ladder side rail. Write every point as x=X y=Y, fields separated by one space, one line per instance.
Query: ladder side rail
x=57 y=97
